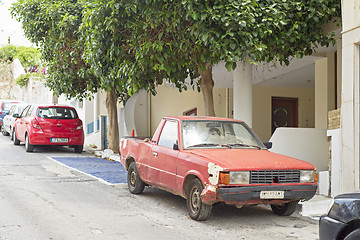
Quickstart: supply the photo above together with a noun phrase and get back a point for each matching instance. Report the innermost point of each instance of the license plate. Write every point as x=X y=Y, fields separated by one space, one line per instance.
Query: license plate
x=271 y=194
x=59 y=140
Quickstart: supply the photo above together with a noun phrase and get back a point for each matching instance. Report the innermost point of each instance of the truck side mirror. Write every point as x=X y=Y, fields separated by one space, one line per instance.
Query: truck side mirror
x=268 y=145
x=176 y=146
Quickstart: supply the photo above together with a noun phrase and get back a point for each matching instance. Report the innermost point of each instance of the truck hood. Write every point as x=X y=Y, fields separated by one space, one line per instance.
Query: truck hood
x=251 y=159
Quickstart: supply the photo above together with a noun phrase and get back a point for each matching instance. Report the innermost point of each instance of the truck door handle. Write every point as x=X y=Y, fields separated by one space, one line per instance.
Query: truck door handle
x=155 y=154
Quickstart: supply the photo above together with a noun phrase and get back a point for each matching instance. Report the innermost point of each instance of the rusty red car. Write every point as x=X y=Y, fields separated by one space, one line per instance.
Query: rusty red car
x=208 y=160
x=49 y=125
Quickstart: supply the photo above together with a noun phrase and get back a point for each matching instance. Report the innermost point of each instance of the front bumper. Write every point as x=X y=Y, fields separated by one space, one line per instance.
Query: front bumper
x=329 y=228
x=251 y=195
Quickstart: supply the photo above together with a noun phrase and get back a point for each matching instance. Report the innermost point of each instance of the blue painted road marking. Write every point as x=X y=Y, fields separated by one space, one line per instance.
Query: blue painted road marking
x=109 y=171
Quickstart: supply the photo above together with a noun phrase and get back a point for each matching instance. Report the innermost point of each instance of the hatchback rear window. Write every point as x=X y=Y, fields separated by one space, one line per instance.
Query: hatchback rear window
x=57 y=113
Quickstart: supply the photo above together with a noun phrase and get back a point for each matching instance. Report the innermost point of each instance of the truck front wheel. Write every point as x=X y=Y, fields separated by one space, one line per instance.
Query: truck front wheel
x=285 y=209
x=196 y=208
x=135 y=184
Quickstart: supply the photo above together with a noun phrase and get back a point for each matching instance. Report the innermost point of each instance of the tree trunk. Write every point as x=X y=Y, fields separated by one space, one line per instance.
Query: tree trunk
x=113 y=128
x=206 y=86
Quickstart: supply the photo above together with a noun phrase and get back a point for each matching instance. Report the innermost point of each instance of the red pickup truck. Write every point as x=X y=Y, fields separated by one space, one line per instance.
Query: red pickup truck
x=208 y=160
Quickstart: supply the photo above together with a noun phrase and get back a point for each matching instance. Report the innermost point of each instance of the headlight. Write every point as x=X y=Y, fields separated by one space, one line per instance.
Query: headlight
x=239 y=177
x=307 y=176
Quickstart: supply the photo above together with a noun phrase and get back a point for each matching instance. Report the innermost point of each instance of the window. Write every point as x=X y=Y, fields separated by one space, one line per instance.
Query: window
x=30 y=111
x=169 y=134
x=191 y=112
x=57 y=113
x=23 y=114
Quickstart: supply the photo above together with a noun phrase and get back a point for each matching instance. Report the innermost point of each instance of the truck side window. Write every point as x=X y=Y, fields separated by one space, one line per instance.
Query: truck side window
x=169 y=134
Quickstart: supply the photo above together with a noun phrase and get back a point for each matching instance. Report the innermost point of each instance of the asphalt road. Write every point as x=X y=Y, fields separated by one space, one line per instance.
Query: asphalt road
x=42 y=199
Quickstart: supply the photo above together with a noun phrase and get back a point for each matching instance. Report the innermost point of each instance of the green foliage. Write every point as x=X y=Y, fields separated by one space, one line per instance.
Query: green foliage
x=140 y=43
x=130 y=45
x=7 y=53
x=23 y=79
x=54 y=27
x=28 y=56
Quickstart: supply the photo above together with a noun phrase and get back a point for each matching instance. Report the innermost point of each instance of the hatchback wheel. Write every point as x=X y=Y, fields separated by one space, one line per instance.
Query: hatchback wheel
x=28 y=147
x=12 y=135
x=16 y=141
x=78 y=148
x=4 y=132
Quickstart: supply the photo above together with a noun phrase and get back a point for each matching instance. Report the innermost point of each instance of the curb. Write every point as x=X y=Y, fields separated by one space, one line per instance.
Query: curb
x=100 y=154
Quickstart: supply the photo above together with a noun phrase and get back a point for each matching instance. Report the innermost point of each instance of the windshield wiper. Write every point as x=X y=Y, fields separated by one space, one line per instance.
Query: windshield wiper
x=244 y=145
x=208 y=144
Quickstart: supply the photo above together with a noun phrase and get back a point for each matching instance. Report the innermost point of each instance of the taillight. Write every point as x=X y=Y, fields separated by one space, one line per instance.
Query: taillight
x=36 y=124
x=1 y=107
x=80 y=126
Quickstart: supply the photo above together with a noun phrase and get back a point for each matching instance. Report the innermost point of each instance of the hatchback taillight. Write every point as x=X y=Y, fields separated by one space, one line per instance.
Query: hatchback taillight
x=36 y=124
x=80 y=126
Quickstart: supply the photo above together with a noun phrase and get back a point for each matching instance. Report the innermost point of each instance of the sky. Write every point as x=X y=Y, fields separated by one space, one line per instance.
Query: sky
x=9 y=27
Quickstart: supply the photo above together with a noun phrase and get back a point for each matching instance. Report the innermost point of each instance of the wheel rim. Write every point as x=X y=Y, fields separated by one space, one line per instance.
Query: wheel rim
x=133 y=178
x=195 y=200
x=27 y=142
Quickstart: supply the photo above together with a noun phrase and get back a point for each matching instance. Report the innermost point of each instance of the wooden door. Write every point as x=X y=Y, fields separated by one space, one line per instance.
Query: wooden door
x=284 y=112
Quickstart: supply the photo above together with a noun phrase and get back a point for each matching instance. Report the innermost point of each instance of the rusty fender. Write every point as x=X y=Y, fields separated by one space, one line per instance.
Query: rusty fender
x=208 y=195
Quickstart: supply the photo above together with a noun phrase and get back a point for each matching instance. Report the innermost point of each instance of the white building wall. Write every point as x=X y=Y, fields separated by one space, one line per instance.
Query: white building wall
x=350 y=96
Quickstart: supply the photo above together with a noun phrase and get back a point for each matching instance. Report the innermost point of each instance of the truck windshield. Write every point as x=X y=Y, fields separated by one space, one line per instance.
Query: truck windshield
x=218 y=134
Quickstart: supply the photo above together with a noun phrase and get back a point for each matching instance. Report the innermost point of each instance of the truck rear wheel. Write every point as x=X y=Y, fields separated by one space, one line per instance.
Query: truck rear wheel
x=197 y=209
x=285 y=209
x=135 y=184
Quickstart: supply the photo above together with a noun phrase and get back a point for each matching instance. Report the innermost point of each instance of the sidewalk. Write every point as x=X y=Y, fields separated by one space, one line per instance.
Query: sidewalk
x=315 y=207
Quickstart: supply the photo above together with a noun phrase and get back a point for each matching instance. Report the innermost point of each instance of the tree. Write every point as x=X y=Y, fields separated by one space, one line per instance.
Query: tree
x=54 y=27
x=174 y=40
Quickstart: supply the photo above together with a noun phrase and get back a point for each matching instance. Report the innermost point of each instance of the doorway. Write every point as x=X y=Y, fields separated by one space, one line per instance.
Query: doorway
x=284 y=112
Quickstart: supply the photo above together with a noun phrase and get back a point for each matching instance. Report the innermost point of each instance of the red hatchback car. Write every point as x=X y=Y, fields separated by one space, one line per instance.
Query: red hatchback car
x=49 y=125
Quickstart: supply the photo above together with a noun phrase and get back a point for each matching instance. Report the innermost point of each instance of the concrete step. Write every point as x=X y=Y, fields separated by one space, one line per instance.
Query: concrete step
x=315 y=207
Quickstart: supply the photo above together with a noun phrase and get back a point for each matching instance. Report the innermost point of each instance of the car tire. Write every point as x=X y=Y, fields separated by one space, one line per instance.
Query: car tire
x=285 y=209
x=28 y=147
x=354 y=235
x=12 y=135
x=197 y=209
x=135 y=184
x=4 y=132
x=78 y=148
x=16 y=141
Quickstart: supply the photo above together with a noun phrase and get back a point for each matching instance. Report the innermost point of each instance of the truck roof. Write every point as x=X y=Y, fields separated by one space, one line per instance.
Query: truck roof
x=181 y=118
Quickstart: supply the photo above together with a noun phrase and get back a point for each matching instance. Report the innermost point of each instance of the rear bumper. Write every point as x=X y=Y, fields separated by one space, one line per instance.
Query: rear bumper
x=251 y=195
x=40 y=138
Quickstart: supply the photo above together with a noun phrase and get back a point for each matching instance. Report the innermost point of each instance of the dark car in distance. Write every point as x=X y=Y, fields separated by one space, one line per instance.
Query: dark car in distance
x=5 y=106
x=343 y=219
